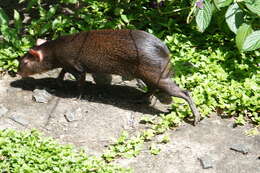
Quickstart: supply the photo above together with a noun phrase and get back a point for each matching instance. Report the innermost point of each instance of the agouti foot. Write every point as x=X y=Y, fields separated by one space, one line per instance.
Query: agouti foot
x=197 y=119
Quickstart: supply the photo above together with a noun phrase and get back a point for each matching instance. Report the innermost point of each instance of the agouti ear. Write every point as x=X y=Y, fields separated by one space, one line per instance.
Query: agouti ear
x=37 y=54
x=40 y=41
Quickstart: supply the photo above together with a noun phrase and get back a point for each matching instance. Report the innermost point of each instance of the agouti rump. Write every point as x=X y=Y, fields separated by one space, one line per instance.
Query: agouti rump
x=131 y=53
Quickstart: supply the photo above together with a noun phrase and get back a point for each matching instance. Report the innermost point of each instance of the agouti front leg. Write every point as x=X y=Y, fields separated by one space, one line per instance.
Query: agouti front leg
x=80 y=83
x=61 y=77
x=62 y=74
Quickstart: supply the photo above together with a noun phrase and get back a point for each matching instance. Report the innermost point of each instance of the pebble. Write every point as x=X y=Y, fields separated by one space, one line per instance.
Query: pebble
x=19 y=119
x=73 y=114
x=41 y=96
x=240 y=148
x=3 y=110
x=206 y=162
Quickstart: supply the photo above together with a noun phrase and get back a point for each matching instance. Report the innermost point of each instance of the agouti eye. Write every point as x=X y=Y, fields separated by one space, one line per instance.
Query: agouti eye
x=25 y=62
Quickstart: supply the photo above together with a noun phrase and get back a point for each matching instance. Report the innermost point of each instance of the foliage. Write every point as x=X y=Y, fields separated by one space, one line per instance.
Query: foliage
x=241 y=16
x=253 y=131
x=220 y=78
x=30 y=152
x=126 y=146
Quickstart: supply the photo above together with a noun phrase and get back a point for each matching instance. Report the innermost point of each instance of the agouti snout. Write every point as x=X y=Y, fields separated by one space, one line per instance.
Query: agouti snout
x=131 y=53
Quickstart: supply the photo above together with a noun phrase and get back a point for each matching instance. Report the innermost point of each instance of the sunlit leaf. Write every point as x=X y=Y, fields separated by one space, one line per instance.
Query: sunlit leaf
x=203 y=15
x=124 y=18
x=253 y=6
x=17 y=21
x=234 y=17
x=252 y=41
x=243 y=31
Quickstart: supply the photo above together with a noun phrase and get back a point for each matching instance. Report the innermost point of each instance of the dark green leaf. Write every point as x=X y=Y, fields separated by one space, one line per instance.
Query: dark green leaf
x=234 y=17
x=222 y=3
x=3 y=17
x=243 y=31
x=32 y=3
x=203 y=16
x=252 y=41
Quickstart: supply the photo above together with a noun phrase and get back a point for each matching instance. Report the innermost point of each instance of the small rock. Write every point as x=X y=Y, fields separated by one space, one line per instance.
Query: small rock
x=41 y=96
x=206 y=162
x=240 y=148
x=73 y=115
x=19 y=119
x=3 y=110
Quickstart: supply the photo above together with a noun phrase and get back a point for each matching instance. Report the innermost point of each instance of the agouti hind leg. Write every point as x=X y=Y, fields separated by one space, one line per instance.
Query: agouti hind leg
x=173 y=89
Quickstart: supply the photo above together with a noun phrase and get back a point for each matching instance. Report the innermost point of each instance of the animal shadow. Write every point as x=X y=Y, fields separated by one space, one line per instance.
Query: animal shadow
x=124 y=97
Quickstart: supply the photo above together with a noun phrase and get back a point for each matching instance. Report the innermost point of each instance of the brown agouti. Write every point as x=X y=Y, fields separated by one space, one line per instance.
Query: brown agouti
x=131 y=53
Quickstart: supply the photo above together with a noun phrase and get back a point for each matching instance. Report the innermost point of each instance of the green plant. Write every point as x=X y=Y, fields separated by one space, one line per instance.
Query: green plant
x=220 y=78
x=241 y=16
x=253 y=131
x=154 y=149
x=30 y=152
x=124 y=146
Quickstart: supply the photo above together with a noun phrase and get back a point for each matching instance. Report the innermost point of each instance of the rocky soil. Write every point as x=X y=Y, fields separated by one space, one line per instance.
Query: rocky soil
x=103 y=112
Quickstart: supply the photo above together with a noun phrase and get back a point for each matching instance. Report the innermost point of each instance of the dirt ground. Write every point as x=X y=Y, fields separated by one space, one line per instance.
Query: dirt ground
x=104 y=112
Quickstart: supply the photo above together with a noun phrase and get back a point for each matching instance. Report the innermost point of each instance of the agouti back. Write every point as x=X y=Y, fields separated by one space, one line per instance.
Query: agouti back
x=131 y=53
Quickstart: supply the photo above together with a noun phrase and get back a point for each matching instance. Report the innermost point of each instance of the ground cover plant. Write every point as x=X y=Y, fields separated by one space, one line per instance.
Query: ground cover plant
x=220 y=77
x=218 y=66
x=31 y=152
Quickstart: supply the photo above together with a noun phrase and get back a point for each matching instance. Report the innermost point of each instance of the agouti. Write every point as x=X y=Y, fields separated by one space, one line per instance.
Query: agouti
x=131 y=53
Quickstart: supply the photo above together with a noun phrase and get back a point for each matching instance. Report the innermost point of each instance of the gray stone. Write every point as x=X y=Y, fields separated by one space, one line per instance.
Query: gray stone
x=73 y=114
x=206 y=162
x=3 y=110
x=240 y=148
x=19 y=118
x=41 y=96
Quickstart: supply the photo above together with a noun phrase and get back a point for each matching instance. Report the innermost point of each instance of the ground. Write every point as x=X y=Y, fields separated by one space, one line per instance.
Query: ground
x=104 y=112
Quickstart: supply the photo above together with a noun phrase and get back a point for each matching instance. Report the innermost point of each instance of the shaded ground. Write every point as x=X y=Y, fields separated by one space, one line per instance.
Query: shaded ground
x=106 y=111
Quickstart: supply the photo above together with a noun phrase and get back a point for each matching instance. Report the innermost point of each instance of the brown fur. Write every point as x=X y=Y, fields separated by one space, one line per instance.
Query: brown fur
x=131 y=53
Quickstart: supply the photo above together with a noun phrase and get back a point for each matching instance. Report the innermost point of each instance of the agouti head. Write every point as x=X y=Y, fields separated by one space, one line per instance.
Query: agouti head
x=34 y=61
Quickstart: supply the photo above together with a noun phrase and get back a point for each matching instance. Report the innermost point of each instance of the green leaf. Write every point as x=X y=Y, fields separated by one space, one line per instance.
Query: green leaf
x=154 y=149
x=203 y=16
x=222 y=3
x=32 y=3
x=252 y=41
x=234 y=17
x=70 y=1
x=3 y=17
x=253 y=6
x=17 y=21
x=243 y=31
x=240 y=120
x=124 y=18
